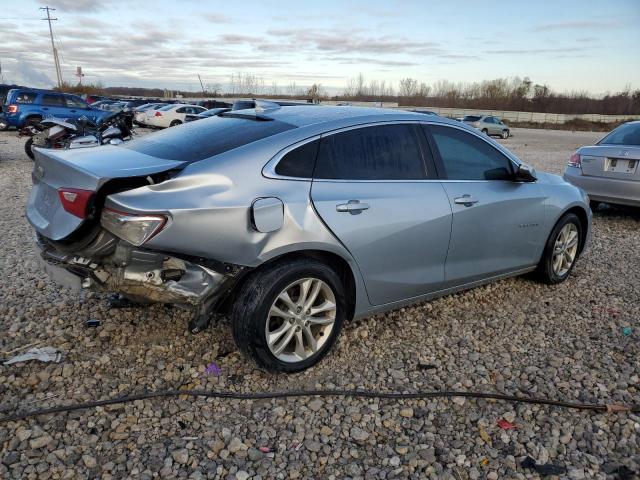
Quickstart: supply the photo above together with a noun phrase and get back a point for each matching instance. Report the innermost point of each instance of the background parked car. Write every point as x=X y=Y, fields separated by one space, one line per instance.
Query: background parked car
x=608 y=171
x=206 y=114
x=29 y=106
x=488 y=125
x=172 y=115
x=140 y=112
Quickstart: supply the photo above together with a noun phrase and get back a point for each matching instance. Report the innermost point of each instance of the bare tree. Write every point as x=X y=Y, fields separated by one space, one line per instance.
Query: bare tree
x=408 y=87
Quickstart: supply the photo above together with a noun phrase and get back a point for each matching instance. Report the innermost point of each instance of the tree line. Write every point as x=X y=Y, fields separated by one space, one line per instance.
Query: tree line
x=515 y=94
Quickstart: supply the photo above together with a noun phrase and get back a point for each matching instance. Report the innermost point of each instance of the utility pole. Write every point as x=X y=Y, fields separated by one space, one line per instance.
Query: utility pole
x=53 y=45
x=202 y=86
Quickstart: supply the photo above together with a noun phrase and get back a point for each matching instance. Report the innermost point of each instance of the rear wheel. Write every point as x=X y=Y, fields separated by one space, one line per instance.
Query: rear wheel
x=33 y=121
x=561 y=251
x=505 y=134
x=594 y=204
x=288 y=316
x=28 y=148
x=174 y=123
x=485 y=131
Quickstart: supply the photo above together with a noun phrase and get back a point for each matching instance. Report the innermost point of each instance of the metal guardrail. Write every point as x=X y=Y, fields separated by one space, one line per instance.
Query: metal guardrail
x=536 y=117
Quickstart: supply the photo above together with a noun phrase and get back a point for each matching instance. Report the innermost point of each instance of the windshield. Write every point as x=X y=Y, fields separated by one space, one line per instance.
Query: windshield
x=626 y=134
x=203 y=139
x=471 y=118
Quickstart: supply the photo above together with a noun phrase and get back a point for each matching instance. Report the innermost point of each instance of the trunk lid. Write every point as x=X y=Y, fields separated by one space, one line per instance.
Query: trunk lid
x=86 y=169
x=611 y=161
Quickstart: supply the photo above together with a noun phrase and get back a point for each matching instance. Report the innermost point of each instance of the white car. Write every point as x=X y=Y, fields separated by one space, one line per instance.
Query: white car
x=171 y=115
x=140 y=113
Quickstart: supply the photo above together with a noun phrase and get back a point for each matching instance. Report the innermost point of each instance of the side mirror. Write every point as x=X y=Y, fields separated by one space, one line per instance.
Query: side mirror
x=525 y=173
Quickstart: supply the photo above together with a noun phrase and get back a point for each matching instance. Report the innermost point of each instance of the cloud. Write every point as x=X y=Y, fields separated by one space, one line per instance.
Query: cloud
x=579 y=24
x=77 y=5
x=532 y=51
x=26 y=73
x=217 y=18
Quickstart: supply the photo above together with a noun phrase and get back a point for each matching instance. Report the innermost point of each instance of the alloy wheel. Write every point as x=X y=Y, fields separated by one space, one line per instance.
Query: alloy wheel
x=300 y=320
x=565 y=249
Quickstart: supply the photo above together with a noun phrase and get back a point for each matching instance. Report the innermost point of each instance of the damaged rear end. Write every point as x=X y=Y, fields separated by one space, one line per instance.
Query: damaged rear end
x=84 y=244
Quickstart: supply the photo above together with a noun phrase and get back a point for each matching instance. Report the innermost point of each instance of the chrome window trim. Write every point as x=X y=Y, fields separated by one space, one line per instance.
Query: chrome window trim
x=269 y=170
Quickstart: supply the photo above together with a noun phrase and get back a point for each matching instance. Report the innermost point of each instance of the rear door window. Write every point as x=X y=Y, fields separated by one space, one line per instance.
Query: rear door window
x=53 y=100
x=383 y=152
x=464 y=156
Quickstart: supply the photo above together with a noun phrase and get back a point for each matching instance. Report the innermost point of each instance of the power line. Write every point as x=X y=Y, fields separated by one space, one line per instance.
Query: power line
x=53 y=46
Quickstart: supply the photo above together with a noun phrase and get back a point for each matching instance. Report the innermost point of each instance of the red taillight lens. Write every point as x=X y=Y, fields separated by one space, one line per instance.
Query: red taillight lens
x=574 y=160
x=75 y=201
x=158 y=114
x=12 y=108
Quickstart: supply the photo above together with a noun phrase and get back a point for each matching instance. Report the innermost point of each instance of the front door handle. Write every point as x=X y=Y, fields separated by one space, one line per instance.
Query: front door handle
x=354 y=207
x=466 y=200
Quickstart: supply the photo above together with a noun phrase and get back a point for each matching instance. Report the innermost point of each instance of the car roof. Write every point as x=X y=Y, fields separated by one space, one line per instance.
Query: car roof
x=302 y=116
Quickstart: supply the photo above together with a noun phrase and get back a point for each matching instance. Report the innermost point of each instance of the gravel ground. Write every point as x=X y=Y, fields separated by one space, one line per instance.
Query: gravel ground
x=514 y=336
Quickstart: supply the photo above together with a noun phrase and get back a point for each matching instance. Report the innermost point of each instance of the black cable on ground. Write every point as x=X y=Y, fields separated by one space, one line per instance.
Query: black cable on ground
x=322 y=393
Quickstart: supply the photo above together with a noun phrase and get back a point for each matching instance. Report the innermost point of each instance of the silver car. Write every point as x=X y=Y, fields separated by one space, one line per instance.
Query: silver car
x=488 y=125
x=608 y=171
x=297 y=219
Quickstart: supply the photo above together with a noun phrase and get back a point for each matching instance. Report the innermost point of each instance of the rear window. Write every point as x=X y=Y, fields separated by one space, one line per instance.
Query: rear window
x=471 y=118
x=166 y=107
x=627 y=134
x=211 y=136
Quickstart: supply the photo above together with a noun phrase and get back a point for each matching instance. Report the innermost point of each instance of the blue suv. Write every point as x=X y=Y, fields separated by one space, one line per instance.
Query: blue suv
x=24 y=106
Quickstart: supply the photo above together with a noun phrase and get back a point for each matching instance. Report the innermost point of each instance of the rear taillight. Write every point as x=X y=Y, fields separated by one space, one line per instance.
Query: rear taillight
x=134 y=228
x=158 y=114
x=574 y=160
x=75 y=201
x=12 y=109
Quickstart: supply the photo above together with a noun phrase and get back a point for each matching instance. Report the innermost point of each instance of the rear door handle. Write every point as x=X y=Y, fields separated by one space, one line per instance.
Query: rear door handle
x=354 y=207
x=466 y=200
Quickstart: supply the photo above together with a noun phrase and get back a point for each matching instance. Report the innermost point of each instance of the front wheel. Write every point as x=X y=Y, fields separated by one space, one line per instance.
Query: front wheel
x=505 y=134
x=288 y=316
x=561 y=251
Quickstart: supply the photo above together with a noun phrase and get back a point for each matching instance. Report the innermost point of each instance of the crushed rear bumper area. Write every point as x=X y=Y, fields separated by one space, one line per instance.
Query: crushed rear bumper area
x=142 y=275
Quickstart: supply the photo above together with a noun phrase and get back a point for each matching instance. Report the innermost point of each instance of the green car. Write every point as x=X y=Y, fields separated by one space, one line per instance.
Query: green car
x=488 y=125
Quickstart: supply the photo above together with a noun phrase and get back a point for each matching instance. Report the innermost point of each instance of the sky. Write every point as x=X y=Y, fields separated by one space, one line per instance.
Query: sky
x=569 y=45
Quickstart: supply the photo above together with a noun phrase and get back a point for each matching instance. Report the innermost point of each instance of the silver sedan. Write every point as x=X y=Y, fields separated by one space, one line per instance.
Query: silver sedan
x=296 y=219
x=608 y=171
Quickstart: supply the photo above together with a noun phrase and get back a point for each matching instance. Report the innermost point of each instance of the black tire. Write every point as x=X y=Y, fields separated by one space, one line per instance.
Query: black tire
x=174 y=123
x=250 y=310
x=485 y=131
x=545 y=272
x=505 y=134
x=594 y=204
x=33 y=121
x=28 y=148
